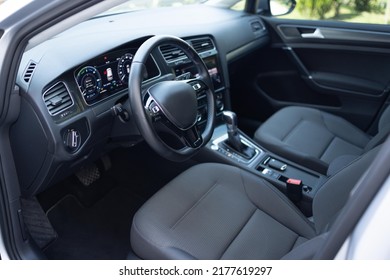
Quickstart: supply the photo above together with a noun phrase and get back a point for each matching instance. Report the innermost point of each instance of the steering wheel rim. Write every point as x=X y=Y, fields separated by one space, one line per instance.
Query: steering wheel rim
x=179 y=118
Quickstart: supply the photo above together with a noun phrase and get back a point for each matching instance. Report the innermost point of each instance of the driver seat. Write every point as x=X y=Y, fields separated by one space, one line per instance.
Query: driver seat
x=216 y=211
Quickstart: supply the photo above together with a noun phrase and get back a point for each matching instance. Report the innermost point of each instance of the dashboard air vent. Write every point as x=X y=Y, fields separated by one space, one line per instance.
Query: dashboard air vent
x=202 y=44
x=57 y=98
x=172 y=53
x=257 y=28
x=29 y=71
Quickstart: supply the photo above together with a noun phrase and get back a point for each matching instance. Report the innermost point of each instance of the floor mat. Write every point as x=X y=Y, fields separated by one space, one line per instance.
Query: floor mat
x=101 y=231
x=37 y=222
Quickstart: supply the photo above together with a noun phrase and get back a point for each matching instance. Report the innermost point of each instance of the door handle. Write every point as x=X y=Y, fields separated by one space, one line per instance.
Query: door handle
x=317 y=34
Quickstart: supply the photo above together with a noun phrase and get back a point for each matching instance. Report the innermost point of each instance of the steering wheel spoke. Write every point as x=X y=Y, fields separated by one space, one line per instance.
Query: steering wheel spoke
x=198 y=85
x=153 y=111
x=192 y=138
x=189 y=137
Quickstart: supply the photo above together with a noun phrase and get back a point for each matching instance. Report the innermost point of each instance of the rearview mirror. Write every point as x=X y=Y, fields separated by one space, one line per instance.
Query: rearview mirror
x=281 y=7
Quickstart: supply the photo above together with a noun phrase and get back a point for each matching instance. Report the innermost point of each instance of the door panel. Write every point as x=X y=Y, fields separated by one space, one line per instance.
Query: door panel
x=341 y=68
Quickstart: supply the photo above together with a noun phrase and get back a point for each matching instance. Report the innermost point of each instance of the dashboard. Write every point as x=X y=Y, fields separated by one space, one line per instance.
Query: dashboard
x=70 y=83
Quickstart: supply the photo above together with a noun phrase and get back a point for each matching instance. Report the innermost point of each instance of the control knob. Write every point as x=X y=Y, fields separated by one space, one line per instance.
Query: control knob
x=72 y=140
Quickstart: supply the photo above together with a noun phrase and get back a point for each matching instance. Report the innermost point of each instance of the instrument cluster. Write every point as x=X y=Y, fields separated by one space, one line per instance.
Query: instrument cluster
x=108 y=74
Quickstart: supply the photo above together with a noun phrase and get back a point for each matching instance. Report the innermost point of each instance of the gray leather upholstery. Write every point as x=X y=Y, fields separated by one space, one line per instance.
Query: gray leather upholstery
x=215 y=211
x=314 y=138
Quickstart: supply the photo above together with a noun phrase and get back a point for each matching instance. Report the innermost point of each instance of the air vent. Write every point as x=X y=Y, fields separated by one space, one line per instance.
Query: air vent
x=57 y=98
x=257 y=28
x=202 y=45
x=29 y=71
x=172 y=53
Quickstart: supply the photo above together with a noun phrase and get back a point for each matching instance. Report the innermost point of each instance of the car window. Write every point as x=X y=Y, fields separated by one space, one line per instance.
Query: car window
x=133 y=5
x=359 y=11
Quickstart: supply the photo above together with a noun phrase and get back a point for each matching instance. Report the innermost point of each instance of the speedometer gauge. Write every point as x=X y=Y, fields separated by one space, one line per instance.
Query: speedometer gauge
x=124 y=65
x=90 y=83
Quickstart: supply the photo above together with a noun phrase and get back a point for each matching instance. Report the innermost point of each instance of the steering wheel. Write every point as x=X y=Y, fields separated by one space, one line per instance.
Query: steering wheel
x=171 y=103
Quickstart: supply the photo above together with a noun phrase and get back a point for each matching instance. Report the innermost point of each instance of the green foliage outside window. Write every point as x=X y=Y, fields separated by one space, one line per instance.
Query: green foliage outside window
x=363 y=11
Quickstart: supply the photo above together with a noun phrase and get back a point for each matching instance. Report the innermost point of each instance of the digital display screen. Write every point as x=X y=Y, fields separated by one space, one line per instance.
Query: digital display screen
x=109 y=74
x=189 y=71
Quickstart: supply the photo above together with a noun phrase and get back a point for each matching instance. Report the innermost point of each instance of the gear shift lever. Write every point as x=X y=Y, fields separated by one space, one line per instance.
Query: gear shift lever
x=234 y=140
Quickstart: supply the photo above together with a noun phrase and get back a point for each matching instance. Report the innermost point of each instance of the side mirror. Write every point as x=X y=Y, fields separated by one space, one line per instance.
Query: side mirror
x=281 y=7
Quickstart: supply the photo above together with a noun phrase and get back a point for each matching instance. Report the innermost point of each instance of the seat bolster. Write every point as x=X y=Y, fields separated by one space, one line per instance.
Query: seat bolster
x=345 y=130
x=307 y=250
x=339 y=163
x=270 y=200
x=384 y=120
x=379 y=138
x=338 y=189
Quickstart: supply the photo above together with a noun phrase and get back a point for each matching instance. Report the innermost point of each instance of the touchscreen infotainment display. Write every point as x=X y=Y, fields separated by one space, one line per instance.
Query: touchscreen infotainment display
x=188 y=71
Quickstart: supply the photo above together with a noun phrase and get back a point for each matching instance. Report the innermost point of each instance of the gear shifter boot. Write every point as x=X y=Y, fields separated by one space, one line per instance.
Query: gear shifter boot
x=235 y=144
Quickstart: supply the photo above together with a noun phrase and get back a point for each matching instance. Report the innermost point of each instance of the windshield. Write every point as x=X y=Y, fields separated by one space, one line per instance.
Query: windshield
x=133 y=5
x=8 y=7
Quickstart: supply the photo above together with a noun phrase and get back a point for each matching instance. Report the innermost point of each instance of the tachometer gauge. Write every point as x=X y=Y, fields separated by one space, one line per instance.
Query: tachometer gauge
x=124 y=65
x=90 y=83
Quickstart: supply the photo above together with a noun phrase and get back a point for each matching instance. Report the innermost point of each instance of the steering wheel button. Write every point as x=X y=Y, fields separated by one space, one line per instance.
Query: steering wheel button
x=196 y=86
x=155 y=109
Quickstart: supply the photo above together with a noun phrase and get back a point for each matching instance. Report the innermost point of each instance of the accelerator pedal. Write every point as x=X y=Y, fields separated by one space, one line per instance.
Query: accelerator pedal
x=88 y=174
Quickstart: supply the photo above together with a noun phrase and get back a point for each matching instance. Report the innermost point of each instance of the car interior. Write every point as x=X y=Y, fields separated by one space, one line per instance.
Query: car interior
x=196 y=132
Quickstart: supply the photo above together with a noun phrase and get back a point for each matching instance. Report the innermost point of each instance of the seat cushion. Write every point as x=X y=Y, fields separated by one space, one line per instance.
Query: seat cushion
x=310 y=137
x=215 y=211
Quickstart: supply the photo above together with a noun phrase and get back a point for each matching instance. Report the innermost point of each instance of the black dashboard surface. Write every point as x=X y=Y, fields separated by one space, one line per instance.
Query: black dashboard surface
x=91 y=61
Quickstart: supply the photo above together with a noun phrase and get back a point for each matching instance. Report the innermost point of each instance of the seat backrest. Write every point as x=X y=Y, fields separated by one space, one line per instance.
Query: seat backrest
x=334 y=193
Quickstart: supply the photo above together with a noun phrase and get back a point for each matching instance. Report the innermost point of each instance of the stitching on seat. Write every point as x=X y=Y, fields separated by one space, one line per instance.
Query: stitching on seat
x=238 y=232
x=291 y=130
x=327 y=147
x=195 y=205
x=295 y=242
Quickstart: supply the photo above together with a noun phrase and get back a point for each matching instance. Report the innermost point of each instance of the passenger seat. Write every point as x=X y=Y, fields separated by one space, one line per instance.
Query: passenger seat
x=314 y=139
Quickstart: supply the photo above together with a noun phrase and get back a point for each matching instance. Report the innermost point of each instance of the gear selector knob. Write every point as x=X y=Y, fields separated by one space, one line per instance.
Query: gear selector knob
x=234 y=139
x=230 y=119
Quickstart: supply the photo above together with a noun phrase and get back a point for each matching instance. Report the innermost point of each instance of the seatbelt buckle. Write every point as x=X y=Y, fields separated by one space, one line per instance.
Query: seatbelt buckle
x=294 y=189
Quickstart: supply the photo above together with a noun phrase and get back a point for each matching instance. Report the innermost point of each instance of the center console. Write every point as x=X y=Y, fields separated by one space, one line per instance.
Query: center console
x=231 y=146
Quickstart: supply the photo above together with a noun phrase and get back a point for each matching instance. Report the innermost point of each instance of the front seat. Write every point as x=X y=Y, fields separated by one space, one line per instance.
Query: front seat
x=216 y=211
x=314 y=138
